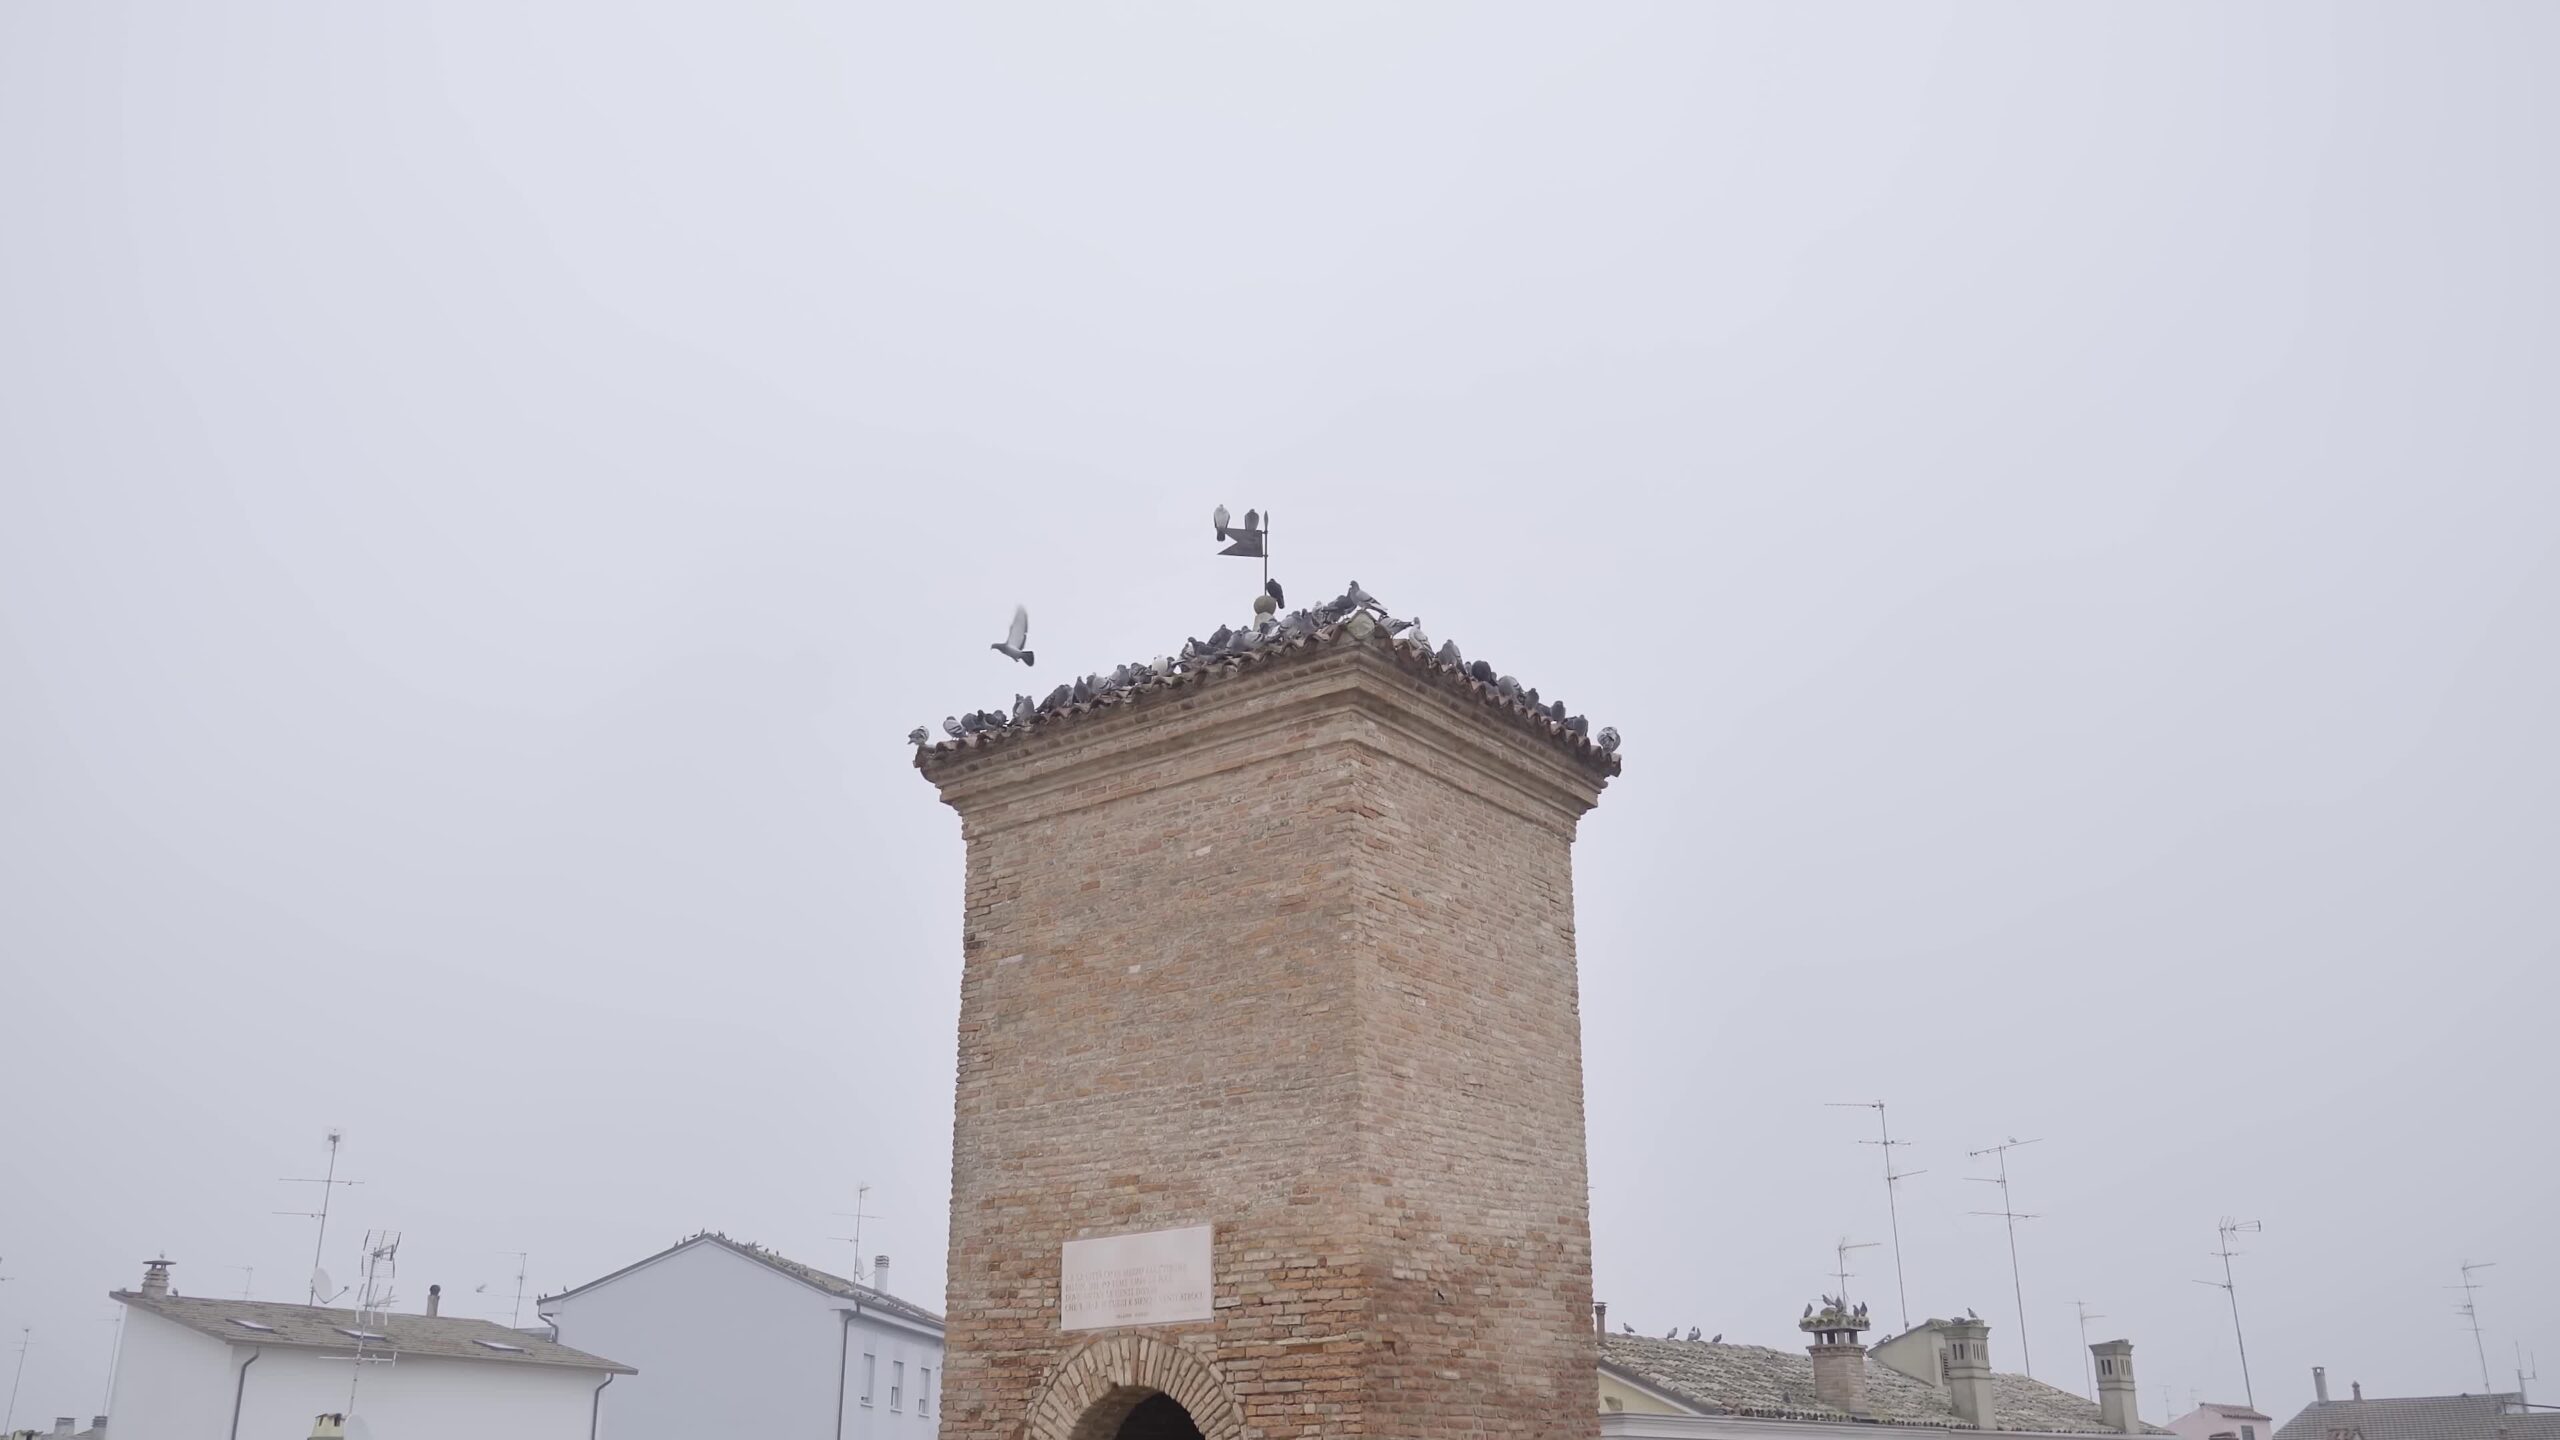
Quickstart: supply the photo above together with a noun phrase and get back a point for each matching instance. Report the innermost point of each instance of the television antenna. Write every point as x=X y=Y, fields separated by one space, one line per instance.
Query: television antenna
x=2010 y=1213
x=2521 y=1376
x=858 y=1214
x=372 y=1331
x=2469 y=1310
x=115 y=1350
x=1841 y=1269
x=515 y=1317
x=1893 y=1179
x=248 y=1277
x=2088 y=1376
x=26 y=1342
x=2228 y=1228
x=328 y=1183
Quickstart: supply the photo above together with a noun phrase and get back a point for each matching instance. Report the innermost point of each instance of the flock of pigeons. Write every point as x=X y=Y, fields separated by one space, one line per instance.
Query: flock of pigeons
x=1225 y=644
x=1674 y=1333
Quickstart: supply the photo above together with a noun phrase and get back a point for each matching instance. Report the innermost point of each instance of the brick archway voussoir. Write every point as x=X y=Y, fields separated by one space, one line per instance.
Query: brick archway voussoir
x=1105 y=1379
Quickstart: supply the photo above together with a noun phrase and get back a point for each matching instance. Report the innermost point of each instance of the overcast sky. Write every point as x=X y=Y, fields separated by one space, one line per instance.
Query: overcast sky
x=2060 y=500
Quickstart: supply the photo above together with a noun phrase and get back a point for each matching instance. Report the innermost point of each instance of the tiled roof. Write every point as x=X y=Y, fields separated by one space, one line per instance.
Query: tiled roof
x=1755 y=1380
x=2421 y=1417
x=261 y=1322
x=1301 y=635
x=878 y=1301
x=2233 y=1412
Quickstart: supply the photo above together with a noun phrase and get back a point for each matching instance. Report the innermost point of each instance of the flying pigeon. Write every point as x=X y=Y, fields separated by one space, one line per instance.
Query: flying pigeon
x=1269 y=587
x=951 y=726
x=1016 y=637
x=1609 y=746
x=1218 y=519
x=918 y=736
x=1693 y=1332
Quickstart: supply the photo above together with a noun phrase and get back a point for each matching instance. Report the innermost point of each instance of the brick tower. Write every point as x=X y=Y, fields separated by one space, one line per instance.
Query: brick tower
x=1269 y=1119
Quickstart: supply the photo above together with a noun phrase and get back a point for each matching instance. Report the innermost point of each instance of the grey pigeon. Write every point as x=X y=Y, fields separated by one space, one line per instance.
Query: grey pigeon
x=1808 y=1312
x=951 y=726
x=1609 y=746
x=971 y=724
x=1508 y=686
x=1220 y=639
x=1120 y=678
x=1671 y=1334
x=1270 y=587
x=1575 y=724
x=1396 y=627
x=1716 y=1339
x=1693 y=1332
x=1253 y=519
x=1479 y=670
x=1058 y=697
x=1448 y=654
x=1218 y=521
x=1623 y=1325
x=919 y=736
x=1164 y=665
x=1359 y=597
x=1968 y=1310
x=1021 y=709
x=1016 y=637
x=1555 y=712
x=1083 y=691
x=1419 y=638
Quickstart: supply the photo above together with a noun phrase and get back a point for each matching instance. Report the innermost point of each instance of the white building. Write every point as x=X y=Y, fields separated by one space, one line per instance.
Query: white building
x=2223 y=1422
x=201 y=1369
x=733 y=1339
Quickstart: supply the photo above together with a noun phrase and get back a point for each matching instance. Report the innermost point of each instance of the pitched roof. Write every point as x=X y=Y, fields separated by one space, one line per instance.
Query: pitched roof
x=878 y=1301
x=2422 y=1417
x=1778 y=1384
x=318 y=1327
x=1303 y=635
x=2233 y=1412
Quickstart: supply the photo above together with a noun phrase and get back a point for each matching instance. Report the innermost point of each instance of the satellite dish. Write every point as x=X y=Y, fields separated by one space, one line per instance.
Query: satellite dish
x=322 y=1291
x=357 y=1429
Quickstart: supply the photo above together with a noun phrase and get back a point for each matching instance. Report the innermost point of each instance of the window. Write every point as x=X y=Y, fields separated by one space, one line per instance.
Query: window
x=898 y=1382
x=870 y=1364
x=924 y=1389
x=2248 y=1432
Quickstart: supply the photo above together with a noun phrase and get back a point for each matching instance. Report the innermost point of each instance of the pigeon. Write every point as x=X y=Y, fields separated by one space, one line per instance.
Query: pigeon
x=1164 y=665
x=1479 y=670
x=1693 y=1332
x=1015 y=637
x=1448 y=654
x=1968 y=1310
x=1716 y=1339
x=1808 y=1312
x=1555 y=712
x=1509 y=686
x=1359 y=597
x=1021 y=709
x=1218 y=519
x=1082 y=692
x=1671 y=1334
x=1529 y=697
x=1609 y=746
x=1576 y=724
x=1398 y=627
x=1058 y=697
x=951 y=726
x=918 y=736
x=1253 y=519
x=1623 y=1325
x=972 y=723
x=1272 y=589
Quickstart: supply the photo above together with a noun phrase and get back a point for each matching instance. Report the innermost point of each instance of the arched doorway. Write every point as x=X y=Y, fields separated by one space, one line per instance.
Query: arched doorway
x=1158 y=1417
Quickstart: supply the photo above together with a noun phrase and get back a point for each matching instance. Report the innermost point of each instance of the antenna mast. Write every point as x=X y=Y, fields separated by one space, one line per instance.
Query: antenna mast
x=2228 y=1228
x=26 y=1339
x=328 y=1183
x=858 y=1214
x=2521 y=1376
x=2088 y=1377
x=2469 y=1310
x=1842 y=1270
x=2010 y=1213
x=1884 y=1142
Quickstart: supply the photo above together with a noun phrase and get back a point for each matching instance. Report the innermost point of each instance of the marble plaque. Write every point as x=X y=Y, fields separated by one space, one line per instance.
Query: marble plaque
x=1158 y=1277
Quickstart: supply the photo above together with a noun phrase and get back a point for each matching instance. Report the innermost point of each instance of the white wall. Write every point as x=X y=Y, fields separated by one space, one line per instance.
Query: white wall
x=172 y=1383
x=417 y=1398
x=726 y=1346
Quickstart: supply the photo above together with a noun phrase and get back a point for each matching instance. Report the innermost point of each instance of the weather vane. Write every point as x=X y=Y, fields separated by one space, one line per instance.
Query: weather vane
x=1252 y=541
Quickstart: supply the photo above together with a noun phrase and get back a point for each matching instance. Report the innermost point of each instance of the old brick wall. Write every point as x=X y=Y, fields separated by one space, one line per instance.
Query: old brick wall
x=1286 y=956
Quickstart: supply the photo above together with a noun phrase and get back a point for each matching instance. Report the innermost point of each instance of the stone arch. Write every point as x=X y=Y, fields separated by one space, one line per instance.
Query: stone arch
x=1106 y=1379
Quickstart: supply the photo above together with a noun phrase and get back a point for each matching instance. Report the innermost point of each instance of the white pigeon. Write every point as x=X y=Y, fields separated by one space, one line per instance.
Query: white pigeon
x=1016 y=637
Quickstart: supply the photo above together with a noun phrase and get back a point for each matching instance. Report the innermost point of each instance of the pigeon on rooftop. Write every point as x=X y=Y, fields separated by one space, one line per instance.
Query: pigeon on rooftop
x=1808 y=1312
x=1021 y=709
x=1608 y=743
x=1016 y=637
x=951 y=726
x=1671 y=1334
x=1693 y=1332
x=1359 y=597
x=1623 y=1325
x=1398 y=627
x=1716 y=1339
x=1479 y=670
x=1058 y=697
x=1448 y=654
x=919 y=736
x=1270 y=587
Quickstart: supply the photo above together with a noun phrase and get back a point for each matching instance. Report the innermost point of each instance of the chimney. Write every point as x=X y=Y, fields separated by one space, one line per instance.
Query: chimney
x=65 y=1424
x=155 y=1276
x=328 y=1427
x=880 y=1273
x=435 y=1300
x=1969 y=1384
x=2116 y=1407
x=2320 y=1383
x=97 y=1424
x=1839 y=1356
x=2358 y=1387
x=1600 y=1316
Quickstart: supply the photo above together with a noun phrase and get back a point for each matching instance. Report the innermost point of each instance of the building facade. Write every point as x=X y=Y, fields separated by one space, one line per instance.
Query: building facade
x=1269 y=1111
x=733 y=1339
x=206 y=1369
x=2223 y=1422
